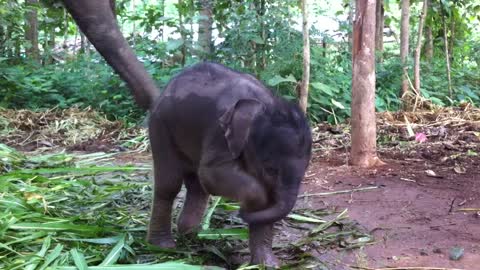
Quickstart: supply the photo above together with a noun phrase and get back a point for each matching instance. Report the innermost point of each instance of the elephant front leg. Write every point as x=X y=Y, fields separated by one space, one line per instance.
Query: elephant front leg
x=260 y=241
x=194 y=207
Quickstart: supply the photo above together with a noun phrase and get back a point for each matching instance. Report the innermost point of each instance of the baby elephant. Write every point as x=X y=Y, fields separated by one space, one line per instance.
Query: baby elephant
x=215 y=130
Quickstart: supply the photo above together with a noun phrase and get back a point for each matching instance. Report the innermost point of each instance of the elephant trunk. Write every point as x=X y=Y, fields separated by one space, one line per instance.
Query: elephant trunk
x=97 y=21
x=285 y=198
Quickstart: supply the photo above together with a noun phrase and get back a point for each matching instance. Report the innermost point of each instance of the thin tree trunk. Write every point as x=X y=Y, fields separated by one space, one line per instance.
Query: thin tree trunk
x=205 y=29
x=162 y=30
x=31 y=31
x=83 y=42
x=303 y=98
x=134 y=25
x=260 y=10
x=50 y=46
x=452 y=39
x=183 y=35
x=379 y=25
x=65 y=26
x=447 y=57
x=324 y=47
x=429 y=44
x=404 y=40
x=351 y=6
x=75 y=41
x=418 y=49
x=364 y=132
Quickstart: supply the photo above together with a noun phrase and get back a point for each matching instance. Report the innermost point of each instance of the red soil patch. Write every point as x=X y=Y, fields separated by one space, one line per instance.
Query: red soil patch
x=415 y=219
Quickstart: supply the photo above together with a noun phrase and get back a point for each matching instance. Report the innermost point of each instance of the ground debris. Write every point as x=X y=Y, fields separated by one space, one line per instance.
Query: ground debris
x=74 y=128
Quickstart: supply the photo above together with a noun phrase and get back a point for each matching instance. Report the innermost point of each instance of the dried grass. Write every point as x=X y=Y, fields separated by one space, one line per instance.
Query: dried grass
x=55 y=127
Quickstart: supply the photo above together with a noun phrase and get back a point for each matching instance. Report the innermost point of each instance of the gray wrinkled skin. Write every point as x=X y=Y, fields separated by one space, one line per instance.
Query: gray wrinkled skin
x=215 y=130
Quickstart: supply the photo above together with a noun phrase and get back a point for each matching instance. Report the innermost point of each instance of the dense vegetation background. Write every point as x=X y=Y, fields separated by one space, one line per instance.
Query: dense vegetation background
x=45 y=61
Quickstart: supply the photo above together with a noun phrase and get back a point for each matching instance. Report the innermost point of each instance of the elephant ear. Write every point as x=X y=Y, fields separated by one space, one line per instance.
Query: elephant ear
x=237 y=123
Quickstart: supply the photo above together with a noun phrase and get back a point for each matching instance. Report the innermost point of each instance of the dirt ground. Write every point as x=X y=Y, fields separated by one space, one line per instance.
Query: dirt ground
x=415 y=219
x=422 y=207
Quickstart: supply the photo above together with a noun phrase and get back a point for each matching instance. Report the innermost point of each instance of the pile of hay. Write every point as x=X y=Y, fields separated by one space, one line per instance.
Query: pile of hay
x=73 y=127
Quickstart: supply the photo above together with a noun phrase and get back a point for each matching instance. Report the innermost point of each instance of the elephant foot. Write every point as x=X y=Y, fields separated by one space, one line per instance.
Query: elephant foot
x=187 y=225
x=260 y=240
x=268 y=259
x=163 y=241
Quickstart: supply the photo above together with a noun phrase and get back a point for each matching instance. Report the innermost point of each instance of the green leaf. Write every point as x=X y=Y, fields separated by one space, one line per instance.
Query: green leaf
x=52 y=256
x=214 y=234
x=174 y=44
x=277 y=79
x=79 y=259
x=59 y=227
x=33 y=263
x=337 y=104
x=115 y=253
x=258 y=40
x=324 y=88
x=160 y=266
x=208 y=216
x=302 y=218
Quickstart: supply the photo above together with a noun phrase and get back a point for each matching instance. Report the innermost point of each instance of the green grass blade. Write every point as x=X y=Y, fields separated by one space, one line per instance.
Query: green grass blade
x=33 y=263
x=160 y=266
x=92 y=170
x=302 y=218
x=52 y=256
x=101 y=241
x=60 y=227
x=29 y=238
x=208 y=216
x=214 y=234
x=114 y=254
x=79 y=259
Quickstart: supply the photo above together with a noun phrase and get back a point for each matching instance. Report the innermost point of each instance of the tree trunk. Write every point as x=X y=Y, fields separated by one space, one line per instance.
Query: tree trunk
x=205 y=29
x=31 y=29
x=429 y=44
x=65 y=29
x=452 y=39
x=50 y=46
x=379 y=25
x=351 y=6
x=324 y=47
x=183 y=35
x=404 y=40
x=260 y=8
x=364 y=133
x=418 y=49
x=162 y=30
x=83 y=43
x=447 y=56
x=303 y=93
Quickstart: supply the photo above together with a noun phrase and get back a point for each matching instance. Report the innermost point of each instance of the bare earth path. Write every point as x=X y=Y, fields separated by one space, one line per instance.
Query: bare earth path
x=414 y=218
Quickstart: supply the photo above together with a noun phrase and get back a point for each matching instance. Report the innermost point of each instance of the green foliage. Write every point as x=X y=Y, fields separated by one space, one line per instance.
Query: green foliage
x=261 y=37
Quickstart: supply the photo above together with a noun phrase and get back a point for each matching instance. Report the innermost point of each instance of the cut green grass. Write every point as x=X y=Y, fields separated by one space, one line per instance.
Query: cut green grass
x=66 y=212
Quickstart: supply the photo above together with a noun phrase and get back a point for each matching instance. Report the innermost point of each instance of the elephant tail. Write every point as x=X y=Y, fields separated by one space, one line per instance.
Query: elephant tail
x=97 y=20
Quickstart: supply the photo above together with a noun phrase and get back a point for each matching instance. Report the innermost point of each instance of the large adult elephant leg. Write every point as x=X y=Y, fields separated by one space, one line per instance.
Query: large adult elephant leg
x=194 y=206
x=97 y=21
x=260 y=243
x=168 y=175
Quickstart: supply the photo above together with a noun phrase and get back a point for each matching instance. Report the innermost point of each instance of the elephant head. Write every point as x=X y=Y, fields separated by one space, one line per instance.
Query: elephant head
x=274 y=144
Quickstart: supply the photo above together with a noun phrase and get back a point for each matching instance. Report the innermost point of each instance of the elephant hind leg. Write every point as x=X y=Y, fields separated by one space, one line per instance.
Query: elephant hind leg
x=194 y=205
x=168 y=173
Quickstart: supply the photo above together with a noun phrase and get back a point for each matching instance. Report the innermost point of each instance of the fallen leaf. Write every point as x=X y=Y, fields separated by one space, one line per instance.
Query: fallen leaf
x=432 y=174
x=459 y=169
